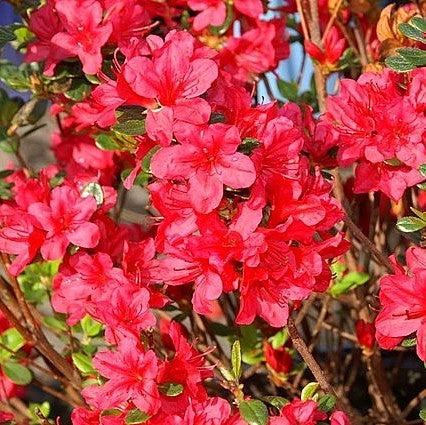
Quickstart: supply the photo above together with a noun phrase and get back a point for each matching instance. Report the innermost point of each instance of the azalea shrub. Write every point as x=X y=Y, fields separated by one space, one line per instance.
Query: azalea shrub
x=213 y=242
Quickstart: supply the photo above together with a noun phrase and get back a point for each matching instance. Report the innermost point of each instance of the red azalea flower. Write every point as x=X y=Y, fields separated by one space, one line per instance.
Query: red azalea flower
x=299 y=413
x=66 y=220
x=208 y=160
x=365 y=333
x=403 y=300
x=131 y=375
x=84 y=34
x=278 y=359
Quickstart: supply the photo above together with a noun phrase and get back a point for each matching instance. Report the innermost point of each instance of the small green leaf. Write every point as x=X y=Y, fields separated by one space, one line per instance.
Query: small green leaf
x=227 y=374
x=6 y=173
x=309 y=391
x=79 y=90
x=30 y=112
x=412 y=31
x=106 y=142
x=254 y=412
x=111 y=412
x=279 y=339
x=422 y=414
x=12 y=340
x=414 y=56
x=289 y=90
x=276 y=401
x=410 y=224
x=409 y=342
x=7 y=34
x=422 y=170
x=349 y=281
x=236 y=359
x=131 y=121
x=90 y=326
x=419 y=22
x=326 y=403
x=398 y=63
x=55 y=323
x=36 y=408
x=94 y=189
x=82 y=362
x=170 y=389
x=136 y=416
x=17 y=373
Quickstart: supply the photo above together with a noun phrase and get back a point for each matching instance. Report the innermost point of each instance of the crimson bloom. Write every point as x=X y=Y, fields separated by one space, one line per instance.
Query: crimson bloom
x=84 y=32
x=208 y=160
x=403 y=300
x=131 y=375
x=333 y=49
x=299 y=412
x=175 y=77
x=66 y=220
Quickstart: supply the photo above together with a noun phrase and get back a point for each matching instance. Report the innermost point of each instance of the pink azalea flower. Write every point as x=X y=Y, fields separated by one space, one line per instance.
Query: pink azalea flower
x=45 y=24
x=299 y=413
x=176 y=76
x=131 y=375
x=82 y=282
x=208 y=160
x=125 y=313
x=66 y=220
x=84 y=34
x=403 y=300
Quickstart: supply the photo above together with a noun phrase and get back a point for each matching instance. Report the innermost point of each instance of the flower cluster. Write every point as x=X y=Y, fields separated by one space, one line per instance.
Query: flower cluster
x=242 y=219
x=380 y=126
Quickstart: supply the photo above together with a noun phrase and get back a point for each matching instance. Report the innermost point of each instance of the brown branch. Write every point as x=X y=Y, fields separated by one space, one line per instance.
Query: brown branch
x=366 y=243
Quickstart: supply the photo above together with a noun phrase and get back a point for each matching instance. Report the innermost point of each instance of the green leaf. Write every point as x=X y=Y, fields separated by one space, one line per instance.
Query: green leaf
x=12 y=340
x=279 y=339
x=36 y=409
x=7 y=34
x=16 y=77
x=276 y=401
x=136 y=416
x=90 y=326
x=422 y=170
x=410 y=224
x=30 y=112
x=131 y=121
x=227 y=374
x=79 y=89
x=412 y=31
x=309 y=391
x=349 y=281
x=326 y=403
x=236 y=359
x=170 y=389
x=398 y=63
x=289 y=90
x=36 y=280
x=422 y=414
x=111 y=412
x=83 y=362
x=414 y=56
x=106 y=142
x=254 y=412
x=94 y=189
x=55 y=323
x=6 y=173
x=419 y=22
x=17 y=373
x=409 y=342
x=251 y=344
